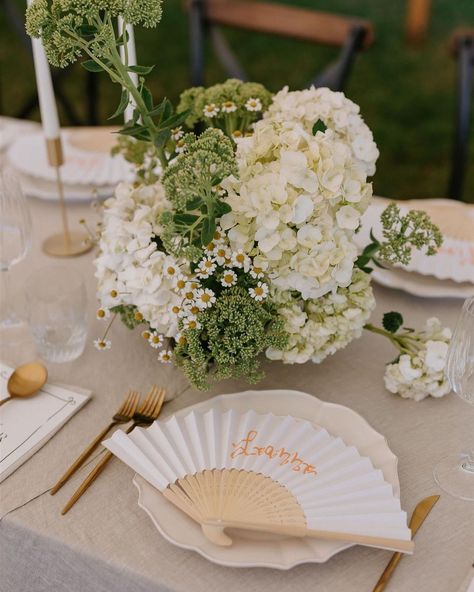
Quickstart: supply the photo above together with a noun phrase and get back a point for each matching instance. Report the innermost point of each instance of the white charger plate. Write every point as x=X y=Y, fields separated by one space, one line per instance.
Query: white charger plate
x=454 y=261
x=48 y=190
x=87 y=158
x=258 y=549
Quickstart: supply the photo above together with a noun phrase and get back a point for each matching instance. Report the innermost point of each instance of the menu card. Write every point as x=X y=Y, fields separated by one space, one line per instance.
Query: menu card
x=27 y=424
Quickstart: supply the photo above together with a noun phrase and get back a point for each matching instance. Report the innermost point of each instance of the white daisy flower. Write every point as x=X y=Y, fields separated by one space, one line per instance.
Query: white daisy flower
x=165 y=356
x=190 y=309
x=205 y=298
x=103 y=314
x=180 y=147
x=241 y=260
x=206 y=267
x=191 y=322
x=211 y=110
x=260 y=292
x=177 y=133
x=236 y=135
x=175 y=309
x=146 y=334
x=256 y=272
x=170 y=271
x=102 y=344
x=155 y=340
x=253 y=105
x=180 y=282
x=229 y=278
x=222 y=255
x=218 y=235
x=228 y=107
x=180 y=338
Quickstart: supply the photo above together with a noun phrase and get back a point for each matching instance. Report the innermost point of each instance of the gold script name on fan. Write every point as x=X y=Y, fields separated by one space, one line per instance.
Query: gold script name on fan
x=285 y=457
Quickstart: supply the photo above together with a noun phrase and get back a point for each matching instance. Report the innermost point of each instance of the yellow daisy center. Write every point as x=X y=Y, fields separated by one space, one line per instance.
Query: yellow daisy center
x=259 y=291
x=228 y=278
x=101 y=313
x=194 y=309
x=138 y=316
x=146 y=334
x=114 y=293
x=205 y=297
x=189 y=295
x=237 y=134
x=240 y=258
x=180 y=284
x=171 y=270
x=192 y=324
x=257 y=270
x=175 y=309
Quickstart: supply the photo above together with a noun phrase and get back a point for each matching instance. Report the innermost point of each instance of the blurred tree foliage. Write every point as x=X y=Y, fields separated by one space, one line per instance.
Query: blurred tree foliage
x=406 y=95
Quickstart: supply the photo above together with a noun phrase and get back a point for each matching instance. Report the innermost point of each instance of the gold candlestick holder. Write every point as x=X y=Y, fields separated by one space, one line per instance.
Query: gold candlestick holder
x=66 y=243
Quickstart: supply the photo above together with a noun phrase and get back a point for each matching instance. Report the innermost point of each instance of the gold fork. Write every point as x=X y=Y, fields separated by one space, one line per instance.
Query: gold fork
x=146 y=414
x=124 y=414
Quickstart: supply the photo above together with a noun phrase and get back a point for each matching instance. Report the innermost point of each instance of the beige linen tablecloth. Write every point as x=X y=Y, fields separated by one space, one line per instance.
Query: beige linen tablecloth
x=107 y=544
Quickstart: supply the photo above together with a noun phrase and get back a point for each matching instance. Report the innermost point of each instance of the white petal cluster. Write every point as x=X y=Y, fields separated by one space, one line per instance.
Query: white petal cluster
x=130 y=269
x=417 y=375
x=319 y=328
x=299 y=196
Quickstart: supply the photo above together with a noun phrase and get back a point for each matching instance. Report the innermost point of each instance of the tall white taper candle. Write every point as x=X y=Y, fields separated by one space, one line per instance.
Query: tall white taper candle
x=132 y=61
x=44 y=84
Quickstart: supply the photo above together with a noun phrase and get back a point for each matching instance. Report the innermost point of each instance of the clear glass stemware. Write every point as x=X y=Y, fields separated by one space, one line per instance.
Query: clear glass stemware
x=455 y=473
x=15 y=237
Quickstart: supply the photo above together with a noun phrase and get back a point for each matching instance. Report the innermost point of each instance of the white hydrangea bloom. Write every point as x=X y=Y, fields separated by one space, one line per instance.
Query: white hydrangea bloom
x=129 y=268
x=421 y=373
x=299 y=196
x=318 y=328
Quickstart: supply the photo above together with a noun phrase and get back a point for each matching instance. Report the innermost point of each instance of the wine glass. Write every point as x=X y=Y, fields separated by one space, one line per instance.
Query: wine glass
x=15 y=238
x=455 y=473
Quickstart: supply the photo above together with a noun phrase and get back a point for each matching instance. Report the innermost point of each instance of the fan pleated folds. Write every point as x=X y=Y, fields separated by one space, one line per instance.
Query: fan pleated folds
x=336 y=488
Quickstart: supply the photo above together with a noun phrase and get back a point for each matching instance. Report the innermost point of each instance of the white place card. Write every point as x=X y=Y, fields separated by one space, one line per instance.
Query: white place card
x=27 y=424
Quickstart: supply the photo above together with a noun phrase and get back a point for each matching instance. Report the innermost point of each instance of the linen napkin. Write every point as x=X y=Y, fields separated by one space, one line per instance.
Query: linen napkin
x=27 y=424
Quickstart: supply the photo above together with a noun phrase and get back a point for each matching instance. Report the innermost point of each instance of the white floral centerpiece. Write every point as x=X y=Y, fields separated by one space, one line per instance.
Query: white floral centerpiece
x=237 y=239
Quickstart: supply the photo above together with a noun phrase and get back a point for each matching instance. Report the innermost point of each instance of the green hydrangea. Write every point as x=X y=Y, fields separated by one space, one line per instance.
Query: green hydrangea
x=232 y=335
x=233 y=93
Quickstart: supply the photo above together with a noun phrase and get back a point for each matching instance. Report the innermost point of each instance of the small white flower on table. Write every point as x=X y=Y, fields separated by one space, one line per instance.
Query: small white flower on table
x=253 y=105
x=155 y=340
x=165 y=356
x=102 y=344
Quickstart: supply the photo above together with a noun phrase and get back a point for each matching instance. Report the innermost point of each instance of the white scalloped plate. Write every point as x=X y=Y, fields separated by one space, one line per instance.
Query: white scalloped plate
x=262 y=550
x=424 y=286
x=87 y=159
x=455 y=259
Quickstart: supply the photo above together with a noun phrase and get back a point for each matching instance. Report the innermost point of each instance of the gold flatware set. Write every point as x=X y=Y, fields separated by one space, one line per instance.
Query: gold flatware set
x=130 y=410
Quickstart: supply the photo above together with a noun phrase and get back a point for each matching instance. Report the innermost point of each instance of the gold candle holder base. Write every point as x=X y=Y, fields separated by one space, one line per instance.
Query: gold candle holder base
x=57 y=246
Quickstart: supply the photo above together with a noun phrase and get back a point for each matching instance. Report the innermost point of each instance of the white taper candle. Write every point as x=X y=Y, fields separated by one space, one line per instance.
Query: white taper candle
x=132 y=61
x=44 y=84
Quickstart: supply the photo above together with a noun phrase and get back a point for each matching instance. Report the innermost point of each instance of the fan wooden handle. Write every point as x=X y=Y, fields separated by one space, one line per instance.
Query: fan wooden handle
x=214 y=531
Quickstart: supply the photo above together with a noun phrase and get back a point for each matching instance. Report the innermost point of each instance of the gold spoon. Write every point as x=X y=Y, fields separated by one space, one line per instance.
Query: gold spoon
x=25 y=381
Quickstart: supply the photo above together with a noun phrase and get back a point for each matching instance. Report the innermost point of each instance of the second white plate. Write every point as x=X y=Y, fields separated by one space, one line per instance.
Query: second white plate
x=260 y=550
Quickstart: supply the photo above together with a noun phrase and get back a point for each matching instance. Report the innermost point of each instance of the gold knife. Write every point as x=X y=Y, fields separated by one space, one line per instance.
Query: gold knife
x=420 y=513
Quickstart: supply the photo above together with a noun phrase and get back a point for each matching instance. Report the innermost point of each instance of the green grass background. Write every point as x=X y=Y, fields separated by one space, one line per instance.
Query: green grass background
x=407 y=95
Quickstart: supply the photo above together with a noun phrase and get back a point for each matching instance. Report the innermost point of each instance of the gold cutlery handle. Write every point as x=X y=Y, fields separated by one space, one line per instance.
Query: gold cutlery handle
x=100 y=466
x=82 y=458
x=387 y=573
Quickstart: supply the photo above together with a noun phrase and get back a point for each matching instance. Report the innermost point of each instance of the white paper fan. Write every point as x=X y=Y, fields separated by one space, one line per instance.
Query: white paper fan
x=267 y=473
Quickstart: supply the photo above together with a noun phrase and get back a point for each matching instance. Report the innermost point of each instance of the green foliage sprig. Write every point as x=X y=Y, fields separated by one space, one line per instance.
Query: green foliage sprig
x=192 y=185
x=70 y=29
x=401 y=235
